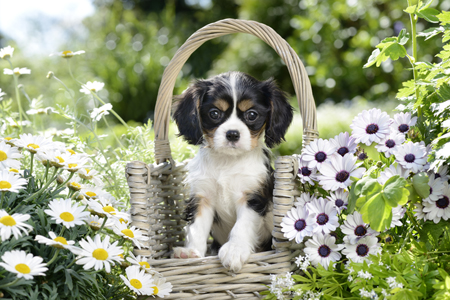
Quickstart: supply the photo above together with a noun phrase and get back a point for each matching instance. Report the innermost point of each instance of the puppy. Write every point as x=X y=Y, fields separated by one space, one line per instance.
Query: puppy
x=233 y=118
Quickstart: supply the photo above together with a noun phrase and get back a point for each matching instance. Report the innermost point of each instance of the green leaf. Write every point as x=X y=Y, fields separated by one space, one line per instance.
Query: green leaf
x=377 y=213
x=403 y=37
x=411 y=9
x=420 y=184
x=372 y=58
x=429 y=14
x=413 y=196
x=444 y=17
x=394 y=191
x=393 y=51
x=370 y=188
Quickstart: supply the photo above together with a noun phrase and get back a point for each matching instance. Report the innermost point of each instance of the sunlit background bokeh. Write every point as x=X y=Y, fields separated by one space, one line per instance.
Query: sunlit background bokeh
x=129 y=43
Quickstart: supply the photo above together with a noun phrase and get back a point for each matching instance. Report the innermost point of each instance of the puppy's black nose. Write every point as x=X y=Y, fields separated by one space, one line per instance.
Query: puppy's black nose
x=232 y=135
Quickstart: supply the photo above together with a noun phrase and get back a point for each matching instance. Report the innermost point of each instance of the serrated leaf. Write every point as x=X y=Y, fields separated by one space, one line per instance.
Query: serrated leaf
x=431 y=32
x=408 y=89
x=394 y=51
x=403 y=37
x=394 y=191
x=372 y=58
x=444 y=17
x=420 y=184
x=410 y=9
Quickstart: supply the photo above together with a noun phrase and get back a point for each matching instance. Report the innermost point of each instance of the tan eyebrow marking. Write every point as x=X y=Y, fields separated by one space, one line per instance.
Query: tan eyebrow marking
x=222 y=104
x=245 y=105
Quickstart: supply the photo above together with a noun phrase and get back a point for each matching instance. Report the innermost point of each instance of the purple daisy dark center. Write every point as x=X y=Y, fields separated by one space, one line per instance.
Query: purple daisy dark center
x=342 y=151
x=390 y=143
x=443 y=202
x=437 y=175
x=320 y=156
x=403 y=128
x=362 y=156
x=342 y=176
x=372 y=129
x=322 y=219
x=339 y=202
x=388 y=239
x=300 y=225
x=410 y=158
x=305 y=171
x=431 y=190
x=362 y=250
x=324 y=251
x=360 y=230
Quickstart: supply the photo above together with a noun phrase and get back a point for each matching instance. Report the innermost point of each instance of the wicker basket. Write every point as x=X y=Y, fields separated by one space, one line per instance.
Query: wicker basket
x=158 y=194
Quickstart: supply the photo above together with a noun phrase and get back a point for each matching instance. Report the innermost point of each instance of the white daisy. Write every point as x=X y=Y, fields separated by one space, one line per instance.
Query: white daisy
x=298 y=223
x=322 y=249
x=397 y=214
x=99 y=254
x=161 y=288
x=10 y=182
x=360 y=251
x=337 y=174
x=2 y=94
x=74 y=184
x=66 y=213
x=419 y=213
x=6 y=52
x=403 y=122
x=304 y=198
x=33 y=143
x=340 y=199
x=142 y=262
x=325 y=215
x=92 y=86
x=389 y=143
x=412 y=156
x=138 y=281
x=92 y=192
x=91 y=174
x=68 y=53
x=17 y=71
x=317 y=153
x=95 y=222
x=102 y=207
x=437 y=187
x=133 y=234
x=13 y=224
x=54 y=241
x=440 y=209
x=442 y=173
x=344 y=143
x=392 y=171
x=305 y=173
x=54 y=157
x=98 y=113
x=354 y=228
x=370 y=126
x=24 y=265
x=9 y=156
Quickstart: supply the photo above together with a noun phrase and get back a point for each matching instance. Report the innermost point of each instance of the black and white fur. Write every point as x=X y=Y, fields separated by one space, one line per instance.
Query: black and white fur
x=233 y=118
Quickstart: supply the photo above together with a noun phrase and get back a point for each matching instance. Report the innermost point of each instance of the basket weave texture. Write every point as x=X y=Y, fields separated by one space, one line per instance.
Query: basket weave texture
x=158 y=194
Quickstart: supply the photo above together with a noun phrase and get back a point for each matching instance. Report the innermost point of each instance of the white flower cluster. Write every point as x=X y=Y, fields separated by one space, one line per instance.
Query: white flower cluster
x=84 y=205
x=281 y=285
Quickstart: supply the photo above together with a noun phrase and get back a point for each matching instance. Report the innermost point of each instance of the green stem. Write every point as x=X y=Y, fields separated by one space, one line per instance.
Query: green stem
x=73 y=99
x=109 y=127
x=9 y=284
x=54 y=256
x=414 y=19
x=38 y=193
x=71 y=264
x=31 y=164
x=19 y=104
x=65 y=182
x=46 y=170
x=104 y=222
x=1 y=202
x=62 y=231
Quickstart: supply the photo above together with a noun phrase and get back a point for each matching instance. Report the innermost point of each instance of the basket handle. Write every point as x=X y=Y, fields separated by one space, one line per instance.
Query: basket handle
x=296 y=69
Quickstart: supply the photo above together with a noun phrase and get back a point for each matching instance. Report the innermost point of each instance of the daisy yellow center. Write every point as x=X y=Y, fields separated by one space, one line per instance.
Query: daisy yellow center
x=122 y=220
x=5 y=185
x=91 y=194
x=155 y=290
x=145 y=264
x=8 y=221
x=76 y=184
x=121 y=255
x=67 y=216
x=108 y=208
x=23 y=268
x=95 y=223
x=100 y=254
x=14 y=170
x=61 y=240
x=34 y=146
x=87 y=171
x=128 y=233
x=61 y=160
x=71 y=151
x=136 y=283
x=8 y=138
x=72 y=165
x=67 y=52
x=3 y=155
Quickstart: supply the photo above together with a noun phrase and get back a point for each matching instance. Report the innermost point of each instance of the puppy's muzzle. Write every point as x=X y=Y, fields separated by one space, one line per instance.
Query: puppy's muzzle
x=232 y=135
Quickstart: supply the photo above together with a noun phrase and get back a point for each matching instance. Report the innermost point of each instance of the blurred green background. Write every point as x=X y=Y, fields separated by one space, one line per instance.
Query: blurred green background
x=129 y=43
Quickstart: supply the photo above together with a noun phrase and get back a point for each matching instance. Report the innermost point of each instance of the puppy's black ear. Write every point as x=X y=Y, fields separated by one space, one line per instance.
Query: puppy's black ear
x=280 y=116
x=186 y=112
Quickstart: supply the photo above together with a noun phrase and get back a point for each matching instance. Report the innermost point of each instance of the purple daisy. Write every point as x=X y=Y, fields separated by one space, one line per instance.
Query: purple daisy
x=389 y=143
x=403 y=122
x=337 y=174
x=305 y=173
x=412 y=156
x=370 y=126
x=298 y=223
x=344 y=143
x=317 y=153
x=325 y=215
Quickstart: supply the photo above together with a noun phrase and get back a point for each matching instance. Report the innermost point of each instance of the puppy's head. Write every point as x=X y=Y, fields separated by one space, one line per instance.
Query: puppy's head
x=232 y=112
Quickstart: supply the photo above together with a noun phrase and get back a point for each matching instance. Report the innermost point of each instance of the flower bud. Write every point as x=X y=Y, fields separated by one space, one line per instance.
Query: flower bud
x=50 y=75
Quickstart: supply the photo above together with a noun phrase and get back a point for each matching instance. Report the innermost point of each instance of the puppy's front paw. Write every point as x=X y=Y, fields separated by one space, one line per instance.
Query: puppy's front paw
x=234 y=256
x=181 y=252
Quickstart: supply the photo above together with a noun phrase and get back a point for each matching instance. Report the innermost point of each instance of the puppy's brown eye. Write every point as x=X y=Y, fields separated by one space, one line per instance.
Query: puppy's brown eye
x=251 y=115
x=214 y=114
